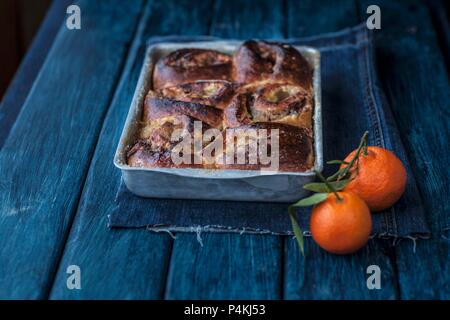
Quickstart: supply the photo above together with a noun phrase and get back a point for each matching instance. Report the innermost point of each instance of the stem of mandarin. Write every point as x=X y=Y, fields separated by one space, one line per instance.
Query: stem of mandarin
x=365 y=138
x=329 y=186
x=363 y=144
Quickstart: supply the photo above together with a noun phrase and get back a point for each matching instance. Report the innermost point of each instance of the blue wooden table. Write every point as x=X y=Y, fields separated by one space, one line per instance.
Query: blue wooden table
x=62 y=116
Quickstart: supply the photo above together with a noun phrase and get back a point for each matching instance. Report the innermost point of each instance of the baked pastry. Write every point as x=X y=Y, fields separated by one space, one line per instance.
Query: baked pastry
x=293 y=151
x=175 y=109
x=187 y=65
x=142 y=155
x=275 y=102
x=157 y=107
x=257 y=61
x=215 y=93
x=264 y=91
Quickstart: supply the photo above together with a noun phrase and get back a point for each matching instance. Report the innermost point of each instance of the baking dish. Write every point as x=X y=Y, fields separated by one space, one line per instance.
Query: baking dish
x=192 y=183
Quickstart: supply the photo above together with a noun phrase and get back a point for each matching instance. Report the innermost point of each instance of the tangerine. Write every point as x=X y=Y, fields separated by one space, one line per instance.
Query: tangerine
x=380 y=178
x=341 y=226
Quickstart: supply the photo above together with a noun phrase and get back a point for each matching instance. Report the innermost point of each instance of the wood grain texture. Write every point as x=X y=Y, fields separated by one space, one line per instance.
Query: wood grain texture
x=231 y=266
x=227 y=266
x=44 y=161
x=123 y=263
x=39 y=198
x=321 y=275
x=418 y=90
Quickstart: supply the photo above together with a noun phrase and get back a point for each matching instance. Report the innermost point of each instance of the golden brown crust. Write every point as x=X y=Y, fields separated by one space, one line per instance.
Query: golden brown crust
x=142 y=155
x=156 y=107
x=237 y=112
x=158 y=133
x=187 y=65
x=262 y=61
x=216 y=93
x=274 y=102
x=165 y=118
x=264 y=86
x=283 y=103
x=295 y=147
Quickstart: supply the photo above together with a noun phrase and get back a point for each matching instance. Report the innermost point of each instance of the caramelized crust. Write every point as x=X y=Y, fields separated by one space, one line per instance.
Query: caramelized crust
x=157 y=107
x=269 y=61
x=165 y=118
x=187 y=65
x=263 y=86
x=295 y=147
x=237 y=112
x=216 y=93
x=283 y=103
x=142 y=155
x=158 y=133
x=275 y=102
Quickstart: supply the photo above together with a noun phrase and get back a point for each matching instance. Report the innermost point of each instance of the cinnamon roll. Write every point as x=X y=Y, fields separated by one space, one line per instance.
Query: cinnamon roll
x=257 y=61
x=187 y=65
x=142 y=155
x=293 y=149
x=274 y=102
x=168 y=117
x=216 y=93
x=156 y=107
x=264 y=87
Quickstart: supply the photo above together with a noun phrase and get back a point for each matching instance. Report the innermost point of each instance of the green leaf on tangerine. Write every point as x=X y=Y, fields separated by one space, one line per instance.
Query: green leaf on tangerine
x=297 y=231
x=336 y=162
x=311 y=200
x=322 y=187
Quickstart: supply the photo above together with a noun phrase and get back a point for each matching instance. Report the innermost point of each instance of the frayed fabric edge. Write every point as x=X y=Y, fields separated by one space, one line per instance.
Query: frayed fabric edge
x=198 y=230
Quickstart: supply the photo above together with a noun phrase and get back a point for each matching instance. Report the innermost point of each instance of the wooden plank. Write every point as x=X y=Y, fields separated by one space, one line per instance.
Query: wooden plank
x=418 y=90
x=227 y=266
x=321 y=275
x=126 y=263
x=31 y=64
x=44 y=161
x=231 y=266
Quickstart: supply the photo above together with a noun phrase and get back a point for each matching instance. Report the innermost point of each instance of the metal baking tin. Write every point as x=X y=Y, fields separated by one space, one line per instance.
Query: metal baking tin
x=190 y=183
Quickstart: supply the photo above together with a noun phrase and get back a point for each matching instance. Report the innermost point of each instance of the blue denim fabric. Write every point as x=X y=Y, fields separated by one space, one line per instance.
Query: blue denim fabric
x=352 y=102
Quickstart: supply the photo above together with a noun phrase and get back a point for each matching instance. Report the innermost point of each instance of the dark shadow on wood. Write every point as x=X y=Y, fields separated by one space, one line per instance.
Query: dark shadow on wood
x=440 y=15
x=29 y=67
x=19 y=22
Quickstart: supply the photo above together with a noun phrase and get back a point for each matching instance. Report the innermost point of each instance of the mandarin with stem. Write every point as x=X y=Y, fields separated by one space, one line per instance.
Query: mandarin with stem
x=377 y=176
x=341 y=224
